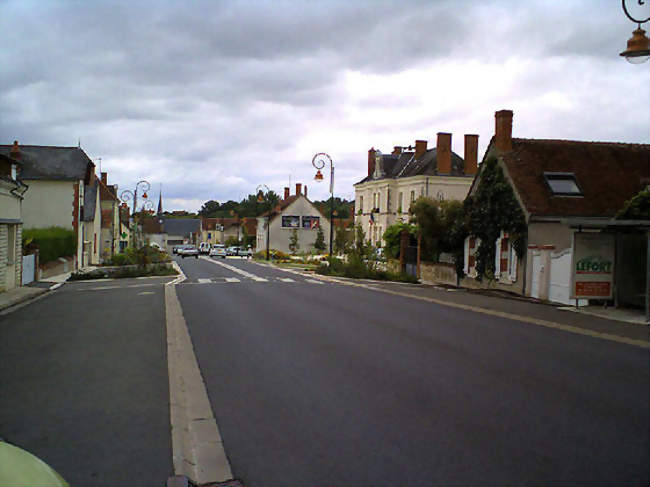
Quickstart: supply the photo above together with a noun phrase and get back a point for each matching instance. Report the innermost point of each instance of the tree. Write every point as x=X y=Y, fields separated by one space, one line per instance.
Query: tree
x=209 y=208
x=392 y=237
x=636 y=208
x=341 y=240
x=319 y=244
x=232 y=242
x=426 y=213
x=293 y=241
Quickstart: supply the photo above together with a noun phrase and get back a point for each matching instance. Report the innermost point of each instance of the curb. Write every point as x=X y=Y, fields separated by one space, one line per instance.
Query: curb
x=197 y=447
x=24 y=300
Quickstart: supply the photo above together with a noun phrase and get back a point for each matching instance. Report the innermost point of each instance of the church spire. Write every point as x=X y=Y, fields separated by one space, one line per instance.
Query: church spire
x=160 y=210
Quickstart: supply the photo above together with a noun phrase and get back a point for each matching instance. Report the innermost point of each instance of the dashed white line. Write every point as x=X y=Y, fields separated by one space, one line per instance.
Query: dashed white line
x=204 y=281
x=236 y=270
x=232 y=279
x=314 y=281
x=285 y=279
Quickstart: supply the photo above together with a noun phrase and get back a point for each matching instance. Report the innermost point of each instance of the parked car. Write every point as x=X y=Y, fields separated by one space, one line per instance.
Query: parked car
x=232 y=251
x=189 y=251
x=204 y=248
x=218 y=250
x=246 y=252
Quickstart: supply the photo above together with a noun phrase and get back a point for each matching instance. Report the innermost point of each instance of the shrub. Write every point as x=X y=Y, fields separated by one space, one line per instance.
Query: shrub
x=146 y=254
x=52 y=242
x=358 y=268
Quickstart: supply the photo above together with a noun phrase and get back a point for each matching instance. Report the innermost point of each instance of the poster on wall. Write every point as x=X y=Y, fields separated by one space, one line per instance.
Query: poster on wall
x=593 y=266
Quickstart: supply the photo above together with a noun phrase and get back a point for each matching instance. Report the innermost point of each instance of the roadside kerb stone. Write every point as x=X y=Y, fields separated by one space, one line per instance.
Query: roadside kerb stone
x=197 y=447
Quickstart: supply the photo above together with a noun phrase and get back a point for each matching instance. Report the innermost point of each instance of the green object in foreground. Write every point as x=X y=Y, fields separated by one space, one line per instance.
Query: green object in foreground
x=22 y=469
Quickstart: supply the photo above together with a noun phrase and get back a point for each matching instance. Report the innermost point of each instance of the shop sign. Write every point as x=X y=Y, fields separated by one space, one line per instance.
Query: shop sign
x=593 y=266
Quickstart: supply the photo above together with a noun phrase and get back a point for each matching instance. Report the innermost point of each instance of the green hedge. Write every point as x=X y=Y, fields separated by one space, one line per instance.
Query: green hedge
x=52 y=242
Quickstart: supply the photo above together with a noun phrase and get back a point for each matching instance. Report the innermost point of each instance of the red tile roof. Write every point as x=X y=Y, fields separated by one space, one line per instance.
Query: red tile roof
x=209 y=224
x=607 y=173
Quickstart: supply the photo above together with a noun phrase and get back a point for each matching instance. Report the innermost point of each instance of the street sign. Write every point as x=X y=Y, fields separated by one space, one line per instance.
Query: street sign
x=593 y=266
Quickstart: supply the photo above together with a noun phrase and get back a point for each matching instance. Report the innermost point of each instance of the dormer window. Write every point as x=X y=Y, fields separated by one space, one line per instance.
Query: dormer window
x=562 y=183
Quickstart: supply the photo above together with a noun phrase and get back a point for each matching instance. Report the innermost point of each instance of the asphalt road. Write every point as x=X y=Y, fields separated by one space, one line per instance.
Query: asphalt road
x=324 y=384
x=84 y=384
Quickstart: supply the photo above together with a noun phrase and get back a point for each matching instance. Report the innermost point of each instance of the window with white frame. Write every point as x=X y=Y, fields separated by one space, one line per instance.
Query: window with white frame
x=505 y=259
x=412 y=196
x=360 y=204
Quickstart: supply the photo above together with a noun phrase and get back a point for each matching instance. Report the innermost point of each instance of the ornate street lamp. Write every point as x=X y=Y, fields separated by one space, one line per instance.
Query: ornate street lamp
x=128 y=195
x=262 y=197
x=319 y=161
x=638 y=46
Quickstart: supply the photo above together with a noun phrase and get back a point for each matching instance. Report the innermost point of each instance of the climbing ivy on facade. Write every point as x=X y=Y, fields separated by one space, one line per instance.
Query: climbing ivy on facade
x=492 y=208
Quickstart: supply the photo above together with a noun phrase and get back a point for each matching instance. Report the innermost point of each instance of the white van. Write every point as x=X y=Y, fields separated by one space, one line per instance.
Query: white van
x=204 y=248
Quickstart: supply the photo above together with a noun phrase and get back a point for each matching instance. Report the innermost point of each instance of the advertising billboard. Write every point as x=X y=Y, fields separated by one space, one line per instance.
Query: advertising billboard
x=593 y=266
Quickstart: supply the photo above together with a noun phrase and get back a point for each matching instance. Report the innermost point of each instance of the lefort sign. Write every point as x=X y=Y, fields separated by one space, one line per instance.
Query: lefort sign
x=593 y=268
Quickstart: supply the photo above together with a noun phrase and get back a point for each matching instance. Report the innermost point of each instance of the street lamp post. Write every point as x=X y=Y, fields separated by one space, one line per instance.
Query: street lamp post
x=261 y=198
x=638 y=46
x=128 y=195
x=319 y=161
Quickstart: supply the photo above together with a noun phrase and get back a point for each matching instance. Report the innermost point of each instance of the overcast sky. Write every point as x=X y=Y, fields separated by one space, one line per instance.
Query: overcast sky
x=212 y=98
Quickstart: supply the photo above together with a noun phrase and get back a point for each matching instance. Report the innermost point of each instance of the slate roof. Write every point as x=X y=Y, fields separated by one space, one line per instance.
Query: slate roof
x=405 y=165
x=607 y=173
x=90 y=201
x=52 y=163
x=181 y=226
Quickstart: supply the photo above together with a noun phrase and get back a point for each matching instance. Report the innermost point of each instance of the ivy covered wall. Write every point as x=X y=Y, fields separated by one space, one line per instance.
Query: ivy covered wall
x=493 y=207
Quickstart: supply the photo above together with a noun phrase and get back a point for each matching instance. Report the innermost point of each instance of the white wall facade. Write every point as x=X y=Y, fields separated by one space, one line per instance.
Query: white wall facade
x=49 y=203
x=384 y=194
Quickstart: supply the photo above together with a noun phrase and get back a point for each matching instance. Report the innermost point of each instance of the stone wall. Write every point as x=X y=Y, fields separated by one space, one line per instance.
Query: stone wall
x=438 y=273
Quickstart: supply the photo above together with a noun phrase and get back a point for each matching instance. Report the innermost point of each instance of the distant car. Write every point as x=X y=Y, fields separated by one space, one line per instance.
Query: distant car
x=189 y=251
x=232 y=251
x=204 y=248
x=218 y=250
x=246 y=252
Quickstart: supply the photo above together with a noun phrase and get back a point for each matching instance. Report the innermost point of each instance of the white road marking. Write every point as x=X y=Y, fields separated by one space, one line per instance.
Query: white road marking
x=145 y=292
x=236 y=270
x=232 y=279
x=204 y=281
x=285 y=279
x=314 y=281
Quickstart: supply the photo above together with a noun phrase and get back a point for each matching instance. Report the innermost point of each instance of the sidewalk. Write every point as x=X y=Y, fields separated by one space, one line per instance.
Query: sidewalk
x=31 y=291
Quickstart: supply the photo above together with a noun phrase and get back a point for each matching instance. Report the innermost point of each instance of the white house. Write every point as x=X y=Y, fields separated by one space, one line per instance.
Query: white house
x=396 y=180
x=294 y=212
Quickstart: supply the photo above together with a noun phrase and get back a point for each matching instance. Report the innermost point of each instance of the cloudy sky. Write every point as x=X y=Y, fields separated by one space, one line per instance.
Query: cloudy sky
x=212 y=98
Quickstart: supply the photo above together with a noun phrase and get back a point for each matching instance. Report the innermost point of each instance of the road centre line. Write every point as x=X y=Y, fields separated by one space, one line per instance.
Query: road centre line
x=236 y=270
x=503 y=314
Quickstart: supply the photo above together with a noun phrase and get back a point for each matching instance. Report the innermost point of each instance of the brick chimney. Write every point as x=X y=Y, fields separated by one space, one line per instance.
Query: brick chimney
x=286 y=193
x=15 y=151
x=371 y=162
x=397 y=150
x=503 y=130
x=305 y=191
x=420 y=148
x=105 y=178
x=298 y=188
x=471 y=153
x=443 y=153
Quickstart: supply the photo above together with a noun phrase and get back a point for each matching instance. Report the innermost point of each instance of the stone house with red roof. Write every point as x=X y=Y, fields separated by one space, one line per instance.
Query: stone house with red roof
x=567 y=189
